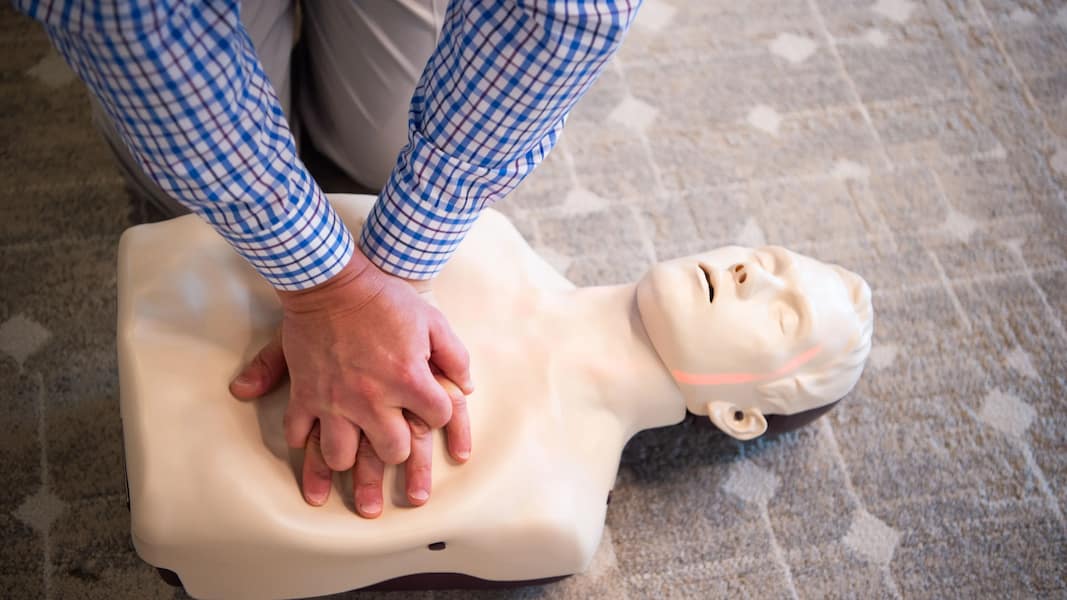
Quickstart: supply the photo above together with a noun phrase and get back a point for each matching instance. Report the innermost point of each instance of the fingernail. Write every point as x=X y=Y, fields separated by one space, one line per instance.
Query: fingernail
x=420 y=495
x=316 y=499
x=244 y=379
x=463 y=454
x=370 y=508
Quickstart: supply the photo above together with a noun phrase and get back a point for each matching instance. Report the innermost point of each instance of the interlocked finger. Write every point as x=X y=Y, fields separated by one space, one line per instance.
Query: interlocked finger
x=417 y=469
x=458 y=429
x=340 y=440
x=317 y=477
x=367 y=481
x=390 y=436
x=426 y=398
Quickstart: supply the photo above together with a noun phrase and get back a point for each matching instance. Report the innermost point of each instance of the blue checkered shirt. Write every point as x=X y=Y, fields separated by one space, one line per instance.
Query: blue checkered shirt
x=183 y=85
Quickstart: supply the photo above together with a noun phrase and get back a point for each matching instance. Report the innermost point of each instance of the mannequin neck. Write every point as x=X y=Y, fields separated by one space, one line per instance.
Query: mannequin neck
x=606 y=344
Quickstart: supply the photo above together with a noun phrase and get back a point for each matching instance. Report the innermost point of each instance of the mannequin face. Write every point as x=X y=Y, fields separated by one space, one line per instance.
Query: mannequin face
x=728 y=321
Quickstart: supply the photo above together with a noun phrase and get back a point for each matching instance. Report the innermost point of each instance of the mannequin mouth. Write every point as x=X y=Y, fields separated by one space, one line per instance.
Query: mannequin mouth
x=711 y=283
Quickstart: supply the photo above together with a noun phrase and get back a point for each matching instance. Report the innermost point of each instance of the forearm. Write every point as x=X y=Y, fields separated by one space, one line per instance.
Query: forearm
x=186 y=92
x=489 y=107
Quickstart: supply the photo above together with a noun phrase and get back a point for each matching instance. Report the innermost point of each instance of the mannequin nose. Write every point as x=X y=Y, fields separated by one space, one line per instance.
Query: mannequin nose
x=739 y=273
x=750 y=278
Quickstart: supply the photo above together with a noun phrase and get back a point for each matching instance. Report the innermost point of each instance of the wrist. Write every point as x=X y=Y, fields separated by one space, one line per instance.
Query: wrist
x=356 y=283
x=421 y=286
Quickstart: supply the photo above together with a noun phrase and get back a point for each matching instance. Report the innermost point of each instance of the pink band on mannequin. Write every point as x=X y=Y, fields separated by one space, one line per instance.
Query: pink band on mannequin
x=735 y=378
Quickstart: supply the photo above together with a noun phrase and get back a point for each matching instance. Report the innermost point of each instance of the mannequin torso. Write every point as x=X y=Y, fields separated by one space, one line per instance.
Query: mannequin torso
x=563 y=378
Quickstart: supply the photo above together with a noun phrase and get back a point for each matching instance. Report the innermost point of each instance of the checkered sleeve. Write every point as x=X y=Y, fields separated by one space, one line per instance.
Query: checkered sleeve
x=489 y=106
x=182 y=83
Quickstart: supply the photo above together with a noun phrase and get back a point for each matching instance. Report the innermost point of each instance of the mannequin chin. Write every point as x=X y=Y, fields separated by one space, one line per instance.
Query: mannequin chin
x=564 y=376
x=744 y=330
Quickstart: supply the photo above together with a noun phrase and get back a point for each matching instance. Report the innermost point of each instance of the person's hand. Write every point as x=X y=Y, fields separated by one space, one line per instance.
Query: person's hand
x=267 y=371
x=367 y=475
x=359 y=351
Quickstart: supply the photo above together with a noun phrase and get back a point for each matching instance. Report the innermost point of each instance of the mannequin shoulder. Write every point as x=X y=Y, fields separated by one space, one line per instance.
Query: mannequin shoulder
x=495 y=249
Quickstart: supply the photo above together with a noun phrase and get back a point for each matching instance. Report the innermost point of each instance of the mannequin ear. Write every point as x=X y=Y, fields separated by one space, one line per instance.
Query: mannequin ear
x=741 y=423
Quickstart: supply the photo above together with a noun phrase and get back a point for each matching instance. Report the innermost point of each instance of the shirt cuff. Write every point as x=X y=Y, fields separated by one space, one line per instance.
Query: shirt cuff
x=307 y=246
x=418 y=222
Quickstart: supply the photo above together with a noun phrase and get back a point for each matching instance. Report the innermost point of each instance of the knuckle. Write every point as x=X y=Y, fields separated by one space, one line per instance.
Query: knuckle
x=393 y=451
x=439 y=411
x=439 y=419
x=409 y=374
x=437 y=397
x=377 y=417
x=395 y=440
x=362 y=387
x=334 y=405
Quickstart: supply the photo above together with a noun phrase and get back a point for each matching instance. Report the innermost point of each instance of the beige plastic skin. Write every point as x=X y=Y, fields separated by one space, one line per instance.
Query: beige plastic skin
x=563 y=376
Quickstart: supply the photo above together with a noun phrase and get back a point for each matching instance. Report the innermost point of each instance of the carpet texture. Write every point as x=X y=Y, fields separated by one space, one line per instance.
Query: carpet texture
x=921 y=144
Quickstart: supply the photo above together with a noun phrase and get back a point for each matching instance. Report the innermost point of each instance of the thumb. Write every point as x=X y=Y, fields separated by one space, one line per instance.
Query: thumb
x=263 y=373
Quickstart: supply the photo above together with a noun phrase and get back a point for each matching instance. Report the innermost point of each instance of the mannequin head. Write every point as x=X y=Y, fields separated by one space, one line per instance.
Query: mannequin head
x=750 y=333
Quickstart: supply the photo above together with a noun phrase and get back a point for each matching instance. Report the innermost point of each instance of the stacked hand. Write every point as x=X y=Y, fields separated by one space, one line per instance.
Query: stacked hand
x=372 y=365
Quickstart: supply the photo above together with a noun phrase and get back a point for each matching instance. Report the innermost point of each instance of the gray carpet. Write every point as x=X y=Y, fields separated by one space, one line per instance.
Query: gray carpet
x=922 y=144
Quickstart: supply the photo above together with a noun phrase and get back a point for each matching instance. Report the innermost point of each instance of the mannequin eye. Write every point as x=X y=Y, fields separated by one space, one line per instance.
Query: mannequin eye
x=766 y=260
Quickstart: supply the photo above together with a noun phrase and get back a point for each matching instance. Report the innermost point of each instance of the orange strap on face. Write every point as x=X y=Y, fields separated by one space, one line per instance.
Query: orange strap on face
x=735 y=378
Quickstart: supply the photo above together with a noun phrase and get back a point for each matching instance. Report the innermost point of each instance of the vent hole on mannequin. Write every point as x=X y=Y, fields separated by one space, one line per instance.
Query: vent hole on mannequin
x=742 y=278
x=436 y=546
x=737 y=268
x=739 y=416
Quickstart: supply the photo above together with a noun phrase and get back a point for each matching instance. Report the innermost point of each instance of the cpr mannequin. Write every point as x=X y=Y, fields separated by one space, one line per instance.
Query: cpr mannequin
x=563 y=377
